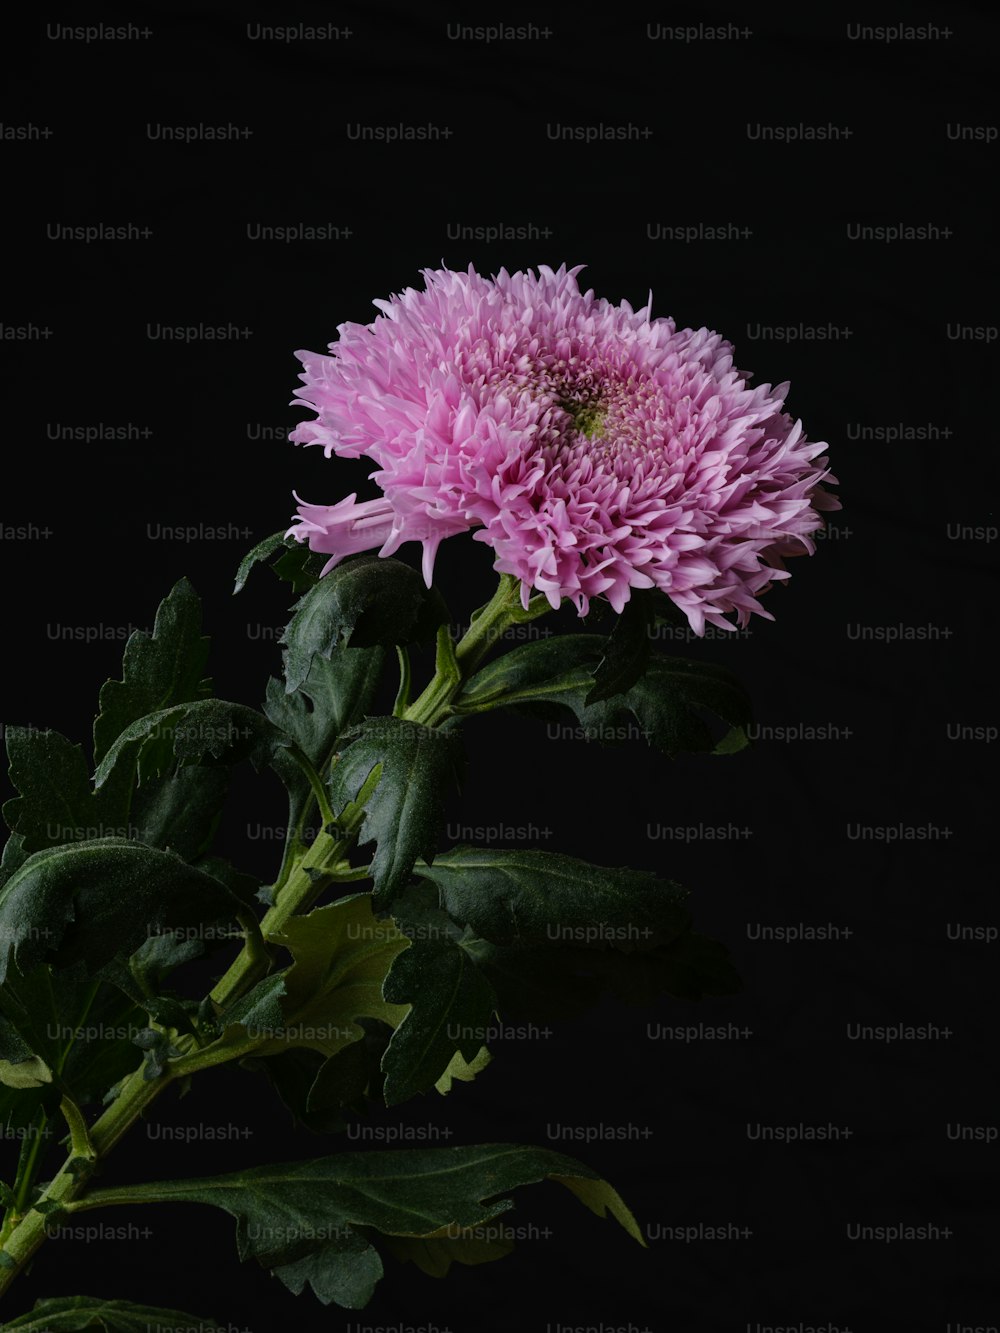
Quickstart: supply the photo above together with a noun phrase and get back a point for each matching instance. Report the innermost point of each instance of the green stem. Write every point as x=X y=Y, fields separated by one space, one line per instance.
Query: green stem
x=27 y=1165
x=300 y=883
x=403 y=693
x=80 y=1142
x=29 y=1233
x=315 y=782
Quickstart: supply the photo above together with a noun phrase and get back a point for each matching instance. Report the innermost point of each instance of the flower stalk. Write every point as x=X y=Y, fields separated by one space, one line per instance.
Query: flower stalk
x=325 y=862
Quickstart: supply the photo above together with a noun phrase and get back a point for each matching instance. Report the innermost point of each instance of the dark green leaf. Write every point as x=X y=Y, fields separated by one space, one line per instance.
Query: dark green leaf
x=626 y=651
x=287 y=1212
x=159 y=670
x=362 y=602
x=14 y=856
x=665 y=705
x=207 y=730
x=404 y=813
x=23 y=1112
x=67 y=1314
x=80 y=1030
x=335 y=695
x=57 y=803
x=344 y=1271
x=180 y=811
x=451 y=1002
x=259 y=553
x=435 y=1257
x=100 y=899
x=295 y=563
x=299 y=566
x=529 y=897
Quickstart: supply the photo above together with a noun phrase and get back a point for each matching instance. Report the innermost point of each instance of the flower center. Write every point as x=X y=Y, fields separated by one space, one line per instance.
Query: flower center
x=588 y=416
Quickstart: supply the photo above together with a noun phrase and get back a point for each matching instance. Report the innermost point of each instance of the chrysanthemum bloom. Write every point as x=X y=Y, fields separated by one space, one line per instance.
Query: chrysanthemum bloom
x=594 y=448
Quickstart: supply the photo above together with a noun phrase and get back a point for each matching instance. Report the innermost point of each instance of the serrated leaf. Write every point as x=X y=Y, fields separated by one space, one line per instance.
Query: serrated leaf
x=341 y=955
x=333 y=698
x=527 y=898
x=451 y=1004
x=289 y=1211
x=299 y=566
x=93 y=901
x=79 y=1028
x=344 y=1272
x=57 y=803
x=320 y=1091
x=665 y=706
x=335 y=695
x=463 y=1070
x=259 y=553
x=362 y=602
x=405 y=812
x=208 y=729
x=158 y=669
x=295 y=563
x=67 y=1314
x=435 y=1257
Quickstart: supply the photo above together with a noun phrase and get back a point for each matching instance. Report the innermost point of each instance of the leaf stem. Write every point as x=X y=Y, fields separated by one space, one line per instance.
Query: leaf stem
x=403 y=693
x=300 y=884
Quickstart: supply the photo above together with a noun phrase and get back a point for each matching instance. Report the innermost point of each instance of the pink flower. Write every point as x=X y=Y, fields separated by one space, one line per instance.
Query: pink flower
x=594 y=448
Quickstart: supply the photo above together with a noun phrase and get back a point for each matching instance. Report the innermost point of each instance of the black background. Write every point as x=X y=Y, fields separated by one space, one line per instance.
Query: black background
x=892 y=559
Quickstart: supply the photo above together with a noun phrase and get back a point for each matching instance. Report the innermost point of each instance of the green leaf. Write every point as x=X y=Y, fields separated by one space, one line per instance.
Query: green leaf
x=341 y=955
x=530 y=897
x=335 y=695
x=353 y=1076
x=261 y=552
x=190 y=733
x=435 y=1257
x=626 y=651
x=318 y=1090
x=292 y=1210
x=344 y=1272
x=79 y=1030
x=295 y=563
x=405 y=811
x=362 y=602
x=57 y=803
x=665 y=705
x=14 y=856
x=451 y=1002
x=66 y=1314
x=180 y=811
x=32 y=1072
x=333 y=698
x=23 y=1112
x=97 y=900
x=159 y=670
x=299 y=566
x=463 y=1070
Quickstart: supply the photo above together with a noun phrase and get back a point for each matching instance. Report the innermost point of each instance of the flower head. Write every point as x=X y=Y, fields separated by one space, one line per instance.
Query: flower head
x=594 y=448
